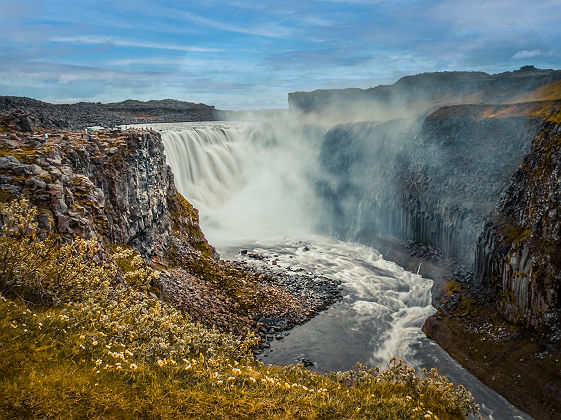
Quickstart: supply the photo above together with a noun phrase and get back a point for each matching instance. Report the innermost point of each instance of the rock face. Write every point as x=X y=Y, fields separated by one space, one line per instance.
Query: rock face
x=477 y=185
x=116 y=186
x=424 y=91
x=84 y=114
x=519 y=252
x=431 y=180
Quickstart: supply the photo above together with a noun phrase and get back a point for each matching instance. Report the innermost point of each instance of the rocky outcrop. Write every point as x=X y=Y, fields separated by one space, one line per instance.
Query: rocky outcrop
x=422 y=92
x=84 y=114
x=115 y=186
x=519 y=252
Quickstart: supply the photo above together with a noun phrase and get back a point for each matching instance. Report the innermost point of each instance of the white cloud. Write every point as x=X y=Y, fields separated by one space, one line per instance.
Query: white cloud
x=527 y=54
x=187 y=63
x=270 y=30
x=87 y=39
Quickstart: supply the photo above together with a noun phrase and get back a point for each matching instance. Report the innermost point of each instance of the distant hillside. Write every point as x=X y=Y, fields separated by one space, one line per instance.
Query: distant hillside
x=83 y=114
x=427 y=91
x=549 y=92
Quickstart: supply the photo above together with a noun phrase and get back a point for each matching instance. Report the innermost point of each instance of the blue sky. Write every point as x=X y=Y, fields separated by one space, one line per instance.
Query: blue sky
x=246 y=54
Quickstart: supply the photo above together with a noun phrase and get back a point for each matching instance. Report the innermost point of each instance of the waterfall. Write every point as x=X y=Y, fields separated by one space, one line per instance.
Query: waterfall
x=255 y=186
x=248 y=180
x=206 y=161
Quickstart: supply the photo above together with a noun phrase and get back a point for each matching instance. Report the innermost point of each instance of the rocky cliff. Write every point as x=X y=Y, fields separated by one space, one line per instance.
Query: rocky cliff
x=423 y=92
x=84 y=114
x=116 y=186
x=432 y=180
x=518 y=254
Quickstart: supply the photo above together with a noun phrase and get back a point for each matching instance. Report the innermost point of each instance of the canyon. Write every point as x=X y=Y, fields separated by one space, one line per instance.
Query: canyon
x=454 y=175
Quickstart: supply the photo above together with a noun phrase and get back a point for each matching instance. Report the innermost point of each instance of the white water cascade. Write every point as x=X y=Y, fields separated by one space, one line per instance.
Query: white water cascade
x=207 y=162
x=254 y=187
x=248 y=181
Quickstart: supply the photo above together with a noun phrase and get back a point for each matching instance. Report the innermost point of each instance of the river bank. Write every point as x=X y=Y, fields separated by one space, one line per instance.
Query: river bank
x=520 y=365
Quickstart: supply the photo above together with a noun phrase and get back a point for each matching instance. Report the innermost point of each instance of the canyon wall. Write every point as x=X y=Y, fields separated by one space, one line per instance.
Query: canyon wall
x=476 y=184
x=431 y=180
x=115 y=186
x=519 y=252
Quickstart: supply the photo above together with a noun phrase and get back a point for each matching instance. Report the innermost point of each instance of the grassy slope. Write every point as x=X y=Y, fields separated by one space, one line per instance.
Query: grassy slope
x=109 y=350
x=549 y=92
x=47 y=374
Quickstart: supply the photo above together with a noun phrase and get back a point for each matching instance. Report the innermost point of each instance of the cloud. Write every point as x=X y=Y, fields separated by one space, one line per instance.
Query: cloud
x=252 y=52
x=306 y=59
x=270 y=29
x=91 y=39
x=189 y=63
x=527 y=54
x=64 y=73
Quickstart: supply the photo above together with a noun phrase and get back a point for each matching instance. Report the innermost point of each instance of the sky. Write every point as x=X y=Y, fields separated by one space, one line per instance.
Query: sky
x=248 y=54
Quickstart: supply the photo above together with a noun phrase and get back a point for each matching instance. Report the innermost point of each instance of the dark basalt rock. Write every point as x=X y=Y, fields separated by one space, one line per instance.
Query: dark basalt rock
x=432 y=181
x=27 y=113
x=519 y=252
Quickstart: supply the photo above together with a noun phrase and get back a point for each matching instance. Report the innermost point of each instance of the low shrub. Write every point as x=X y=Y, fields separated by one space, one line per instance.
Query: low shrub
x=81 y=338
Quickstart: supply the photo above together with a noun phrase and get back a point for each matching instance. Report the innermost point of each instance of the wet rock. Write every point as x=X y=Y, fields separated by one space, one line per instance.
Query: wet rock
x=256 y=256
x=306 y=362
